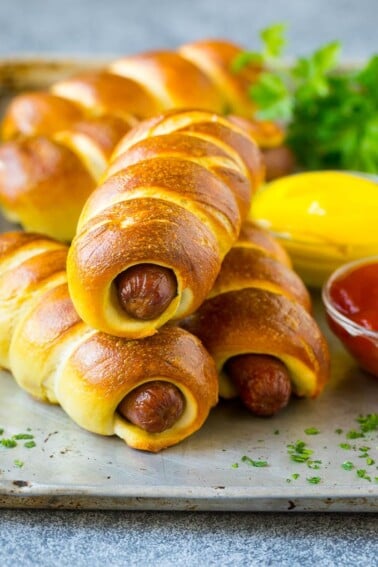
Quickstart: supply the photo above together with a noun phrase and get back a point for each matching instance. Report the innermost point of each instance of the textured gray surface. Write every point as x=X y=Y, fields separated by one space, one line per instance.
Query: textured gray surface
x=116 y=26
x=58 y=538
x=115 y=539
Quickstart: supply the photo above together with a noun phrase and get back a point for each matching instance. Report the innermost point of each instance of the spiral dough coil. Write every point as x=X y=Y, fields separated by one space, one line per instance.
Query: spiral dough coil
x=174 y=197
x=58 y=142
x=257 y=325
x=152 y=393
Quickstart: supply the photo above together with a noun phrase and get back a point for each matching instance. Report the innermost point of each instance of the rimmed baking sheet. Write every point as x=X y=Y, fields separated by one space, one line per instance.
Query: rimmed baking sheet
x=71 y=468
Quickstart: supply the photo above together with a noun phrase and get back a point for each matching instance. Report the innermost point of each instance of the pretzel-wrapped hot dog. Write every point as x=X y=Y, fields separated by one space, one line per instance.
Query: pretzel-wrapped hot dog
x=45 y=181
x=257 y=326
x=152 y=393
x=151 y=238
x=72 y=128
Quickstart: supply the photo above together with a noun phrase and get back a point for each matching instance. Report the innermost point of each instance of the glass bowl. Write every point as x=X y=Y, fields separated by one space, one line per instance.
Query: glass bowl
x=361 y=342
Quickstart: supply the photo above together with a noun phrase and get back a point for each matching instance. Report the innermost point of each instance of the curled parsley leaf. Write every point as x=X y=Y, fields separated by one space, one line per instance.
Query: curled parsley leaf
x=331 y=113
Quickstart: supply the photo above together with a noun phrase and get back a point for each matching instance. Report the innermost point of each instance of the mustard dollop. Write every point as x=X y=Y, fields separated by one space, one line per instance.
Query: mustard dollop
x=323 y=218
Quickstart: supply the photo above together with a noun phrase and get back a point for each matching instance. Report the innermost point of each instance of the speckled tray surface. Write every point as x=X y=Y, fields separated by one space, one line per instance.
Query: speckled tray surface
x=71 y=468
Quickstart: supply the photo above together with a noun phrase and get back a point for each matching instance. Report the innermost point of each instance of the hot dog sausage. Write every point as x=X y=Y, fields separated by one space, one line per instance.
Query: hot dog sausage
x=146 y=290
x=263 y=382
x=153 y=406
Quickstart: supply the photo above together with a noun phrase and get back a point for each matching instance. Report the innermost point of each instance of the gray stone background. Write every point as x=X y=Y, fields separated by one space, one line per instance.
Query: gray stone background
x=123 y=26
x=59 y=538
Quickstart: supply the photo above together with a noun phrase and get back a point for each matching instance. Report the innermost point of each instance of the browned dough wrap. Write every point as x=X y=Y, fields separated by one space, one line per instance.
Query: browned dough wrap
x=57 y=358
x=174 y=196
x=259 y=306
x=76 y=124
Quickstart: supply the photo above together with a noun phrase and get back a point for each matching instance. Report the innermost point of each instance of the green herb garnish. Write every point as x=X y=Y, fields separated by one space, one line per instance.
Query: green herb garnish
x=8 y=443
x=23 y=436
x=346 y=446
x=273 y=42
x=295 y=476
x=369 y=422
x=29 y=444
x=353 y=434
x=363 y=474
x=299 y=452
x=332 y=111
x=314 y=479
x=348 y=465
x=235 y=465
x=254 y=463
x=312 y=431
x=314 y=464
x=18 y=463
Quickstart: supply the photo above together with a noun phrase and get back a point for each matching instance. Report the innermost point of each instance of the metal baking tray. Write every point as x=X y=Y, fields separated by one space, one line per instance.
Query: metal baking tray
x=71 y=468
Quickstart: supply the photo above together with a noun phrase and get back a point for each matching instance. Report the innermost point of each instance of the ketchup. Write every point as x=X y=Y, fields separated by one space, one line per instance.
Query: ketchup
x=354 y=294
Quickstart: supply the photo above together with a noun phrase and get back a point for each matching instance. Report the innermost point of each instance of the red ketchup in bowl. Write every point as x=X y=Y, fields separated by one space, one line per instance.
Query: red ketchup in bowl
x=351 y=300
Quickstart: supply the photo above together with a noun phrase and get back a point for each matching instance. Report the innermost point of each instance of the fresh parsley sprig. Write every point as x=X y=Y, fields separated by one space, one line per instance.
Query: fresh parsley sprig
x=273 y=42
x=331 y=114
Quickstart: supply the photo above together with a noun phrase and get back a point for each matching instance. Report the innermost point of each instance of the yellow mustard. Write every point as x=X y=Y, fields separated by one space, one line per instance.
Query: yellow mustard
x=323 y=219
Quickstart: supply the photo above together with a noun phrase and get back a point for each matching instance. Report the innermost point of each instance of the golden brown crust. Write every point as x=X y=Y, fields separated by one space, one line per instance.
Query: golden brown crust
x=215 y=58
x=267 y=134
x=248 y=267
x=179 y=211
x=38 y=114
x=29 y=262
x=180 y=146
x=174 y=81
x=35 y=177
x=201 y=125
x=54 y=356
x=102 y=93
x=104 y=131
x=90 y=112
x=253 y=236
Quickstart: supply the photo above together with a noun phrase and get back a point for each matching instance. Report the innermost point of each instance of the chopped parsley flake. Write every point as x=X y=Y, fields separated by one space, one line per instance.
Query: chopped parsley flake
x=370 y=461
x=23 y=436
x=18 y=464
x=312 y=431
x=253 y=463
x=338 y=431
x=314 y=479
x=346 y=446
x=1 y=430
x=8 y=443
x=368 y=422
x=314 y=464
x=29 y=444
x=353 y=434
x=363 y=474
x=348 y=465
x=299 y=452
x=295 y=476
x=235 y=465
